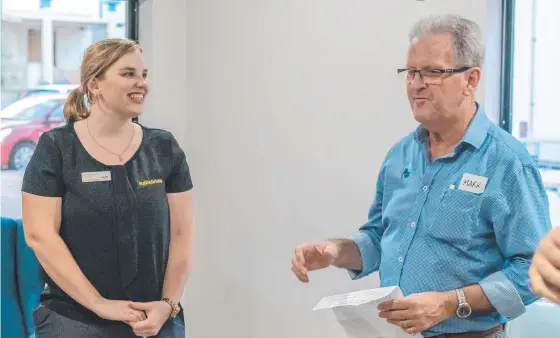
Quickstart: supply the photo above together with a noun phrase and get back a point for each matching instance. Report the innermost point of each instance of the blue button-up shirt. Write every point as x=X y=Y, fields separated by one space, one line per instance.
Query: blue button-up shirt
x=430 y=229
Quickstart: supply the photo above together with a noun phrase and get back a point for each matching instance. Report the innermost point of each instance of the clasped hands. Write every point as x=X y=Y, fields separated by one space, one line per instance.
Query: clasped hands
x=146 y=319
x=419 y=312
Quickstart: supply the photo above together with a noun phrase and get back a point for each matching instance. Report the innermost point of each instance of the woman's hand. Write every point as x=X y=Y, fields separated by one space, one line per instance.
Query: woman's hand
x=119 y=310
x=157 y=312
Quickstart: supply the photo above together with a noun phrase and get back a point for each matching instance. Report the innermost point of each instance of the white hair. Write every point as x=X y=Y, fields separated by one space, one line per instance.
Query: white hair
x=468 y=48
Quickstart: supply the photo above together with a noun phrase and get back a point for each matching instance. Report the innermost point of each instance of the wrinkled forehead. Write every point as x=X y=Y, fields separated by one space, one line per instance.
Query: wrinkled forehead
x=431 y=51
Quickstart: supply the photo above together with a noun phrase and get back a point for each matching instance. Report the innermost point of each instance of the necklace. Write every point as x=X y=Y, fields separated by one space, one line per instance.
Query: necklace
x=118 y=155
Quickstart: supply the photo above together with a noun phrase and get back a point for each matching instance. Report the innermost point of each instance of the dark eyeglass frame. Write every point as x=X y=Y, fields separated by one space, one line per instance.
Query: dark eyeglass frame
x=440 y=71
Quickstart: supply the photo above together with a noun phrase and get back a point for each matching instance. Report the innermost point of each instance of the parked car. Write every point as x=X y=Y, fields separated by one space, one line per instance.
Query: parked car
x=47 y=89
x=23 y=122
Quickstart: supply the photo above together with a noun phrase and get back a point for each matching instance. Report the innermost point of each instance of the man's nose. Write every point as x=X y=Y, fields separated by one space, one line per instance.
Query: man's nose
x=416 y=81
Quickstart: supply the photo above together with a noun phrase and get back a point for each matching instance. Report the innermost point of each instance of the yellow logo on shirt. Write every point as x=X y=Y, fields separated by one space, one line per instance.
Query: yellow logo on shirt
x=150 y=182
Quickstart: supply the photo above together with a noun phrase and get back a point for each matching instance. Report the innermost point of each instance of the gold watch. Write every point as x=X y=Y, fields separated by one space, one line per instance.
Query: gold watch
x=174 y=307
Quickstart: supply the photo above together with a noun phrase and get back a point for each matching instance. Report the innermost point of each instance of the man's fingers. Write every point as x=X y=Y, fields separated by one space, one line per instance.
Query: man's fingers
x=298 y=266
x=395 y=322
x=409 y=326
x=395 y=315
x=393 y=304
x=299 y=270
x=405 y=324
x=300 y=258
x=301 y=276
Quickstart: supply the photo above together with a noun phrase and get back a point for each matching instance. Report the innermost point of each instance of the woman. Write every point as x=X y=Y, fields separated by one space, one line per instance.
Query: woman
x=107 y=209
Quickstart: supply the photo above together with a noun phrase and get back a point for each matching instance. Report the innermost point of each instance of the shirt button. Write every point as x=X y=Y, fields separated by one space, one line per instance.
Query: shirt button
x=412 y=224
x=425 y=188
x=401 y=259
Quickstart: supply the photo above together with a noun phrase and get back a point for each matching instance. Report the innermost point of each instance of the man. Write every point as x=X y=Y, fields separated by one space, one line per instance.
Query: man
x=459 y=207
x=545 y=269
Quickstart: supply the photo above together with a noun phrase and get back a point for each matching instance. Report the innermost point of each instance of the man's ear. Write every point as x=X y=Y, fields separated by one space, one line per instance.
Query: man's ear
x=473 y=79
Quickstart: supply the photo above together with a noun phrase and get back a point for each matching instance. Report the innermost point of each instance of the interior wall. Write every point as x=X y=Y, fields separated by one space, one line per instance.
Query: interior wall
x=285 y=110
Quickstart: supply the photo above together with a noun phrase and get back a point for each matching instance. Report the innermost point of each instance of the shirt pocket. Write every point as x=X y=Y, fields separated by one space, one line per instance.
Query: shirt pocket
x=457 y=218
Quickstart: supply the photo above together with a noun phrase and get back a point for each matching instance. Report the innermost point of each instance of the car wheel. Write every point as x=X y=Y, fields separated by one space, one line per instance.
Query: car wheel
x=21 y=155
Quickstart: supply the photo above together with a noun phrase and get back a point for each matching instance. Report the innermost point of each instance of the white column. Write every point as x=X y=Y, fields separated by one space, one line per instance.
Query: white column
x=47 y=49
x=1 y=106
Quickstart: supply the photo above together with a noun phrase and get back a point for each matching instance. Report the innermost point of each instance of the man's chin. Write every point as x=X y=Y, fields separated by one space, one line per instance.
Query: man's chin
x=422 y=115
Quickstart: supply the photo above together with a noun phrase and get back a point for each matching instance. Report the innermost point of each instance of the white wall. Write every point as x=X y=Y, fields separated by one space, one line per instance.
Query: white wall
x=14 y=53
x=286 y=110
x=71 y=42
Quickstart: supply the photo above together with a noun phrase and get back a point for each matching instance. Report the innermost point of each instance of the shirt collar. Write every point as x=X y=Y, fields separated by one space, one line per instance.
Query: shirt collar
x=475 y=134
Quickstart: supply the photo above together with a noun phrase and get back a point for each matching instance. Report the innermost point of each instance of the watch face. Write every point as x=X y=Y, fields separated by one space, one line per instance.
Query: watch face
x=464 y=311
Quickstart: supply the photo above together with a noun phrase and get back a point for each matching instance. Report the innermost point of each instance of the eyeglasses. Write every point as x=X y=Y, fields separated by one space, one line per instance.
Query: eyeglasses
x=430 y=76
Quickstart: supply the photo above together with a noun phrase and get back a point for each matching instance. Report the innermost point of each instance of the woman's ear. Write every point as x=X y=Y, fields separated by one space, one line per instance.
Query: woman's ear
x=93 y=88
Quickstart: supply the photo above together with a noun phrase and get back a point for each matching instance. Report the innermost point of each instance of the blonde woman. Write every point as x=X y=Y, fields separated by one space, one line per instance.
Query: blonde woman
x=107 y=209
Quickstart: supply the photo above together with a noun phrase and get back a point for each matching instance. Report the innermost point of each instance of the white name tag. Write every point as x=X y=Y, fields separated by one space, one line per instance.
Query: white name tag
x=473 y=183
x=98 y=176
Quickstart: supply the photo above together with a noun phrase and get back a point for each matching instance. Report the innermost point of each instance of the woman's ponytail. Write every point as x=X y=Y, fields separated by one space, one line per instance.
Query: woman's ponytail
x=75 y=108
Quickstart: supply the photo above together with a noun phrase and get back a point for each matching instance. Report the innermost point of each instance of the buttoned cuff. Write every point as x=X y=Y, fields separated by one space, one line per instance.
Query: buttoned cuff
x=503 y=295
x=368 y=253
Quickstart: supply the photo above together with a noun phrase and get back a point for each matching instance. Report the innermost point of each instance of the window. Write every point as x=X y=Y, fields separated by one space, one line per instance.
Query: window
x=530 y=113
x=41 y=50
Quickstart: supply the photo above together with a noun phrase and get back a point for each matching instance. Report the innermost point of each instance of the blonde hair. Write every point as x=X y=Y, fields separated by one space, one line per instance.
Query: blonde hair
x=97 y=58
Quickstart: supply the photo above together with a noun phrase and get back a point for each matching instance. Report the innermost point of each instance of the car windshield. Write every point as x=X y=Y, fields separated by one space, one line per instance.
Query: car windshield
x=28 y=109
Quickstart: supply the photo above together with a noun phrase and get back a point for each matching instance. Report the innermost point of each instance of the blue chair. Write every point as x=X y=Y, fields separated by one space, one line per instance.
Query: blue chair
x=22 y=282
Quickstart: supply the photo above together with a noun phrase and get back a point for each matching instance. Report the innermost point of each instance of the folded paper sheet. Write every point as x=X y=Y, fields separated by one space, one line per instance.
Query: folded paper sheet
x=358 y=315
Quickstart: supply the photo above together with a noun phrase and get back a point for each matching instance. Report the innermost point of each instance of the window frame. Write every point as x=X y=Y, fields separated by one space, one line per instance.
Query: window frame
x=132 y=17
x=132 y=25
x=506 y=80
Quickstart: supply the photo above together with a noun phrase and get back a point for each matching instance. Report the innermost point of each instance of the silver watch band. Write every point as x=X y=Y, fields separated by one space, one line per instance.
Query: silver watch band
x=461 y=296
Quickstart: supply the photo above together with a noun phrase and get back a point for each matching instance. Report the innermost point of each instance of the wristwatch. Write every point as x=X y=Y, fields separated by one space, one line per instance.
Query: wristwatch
x=174 y=307
x=464 y=309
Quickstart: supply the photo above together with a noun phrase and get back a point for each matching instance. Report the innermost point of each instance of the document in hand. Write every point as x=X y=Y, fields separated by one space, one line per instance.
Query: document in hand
x=358 y=315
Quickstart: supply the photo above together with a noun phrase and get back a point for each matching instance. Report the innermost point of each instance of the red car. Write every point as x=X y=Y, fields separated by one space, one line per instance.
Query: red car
x=23 y=122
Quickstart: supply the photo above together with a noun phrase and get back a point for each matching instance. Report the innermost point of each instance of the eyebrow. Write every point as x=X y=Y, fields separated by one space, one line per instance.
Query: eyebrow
x=132 y=69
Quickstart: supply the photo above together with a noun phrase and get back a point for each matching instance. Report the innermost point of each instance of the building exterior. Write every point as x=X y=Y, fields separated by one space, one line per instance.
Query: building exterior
x=43 y=40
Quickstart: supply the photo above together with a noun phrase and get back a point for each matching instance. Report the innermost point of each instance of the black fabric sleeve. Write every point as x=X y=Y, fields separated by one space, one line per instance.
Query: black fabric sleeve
x=179 y=179
x=43 y=175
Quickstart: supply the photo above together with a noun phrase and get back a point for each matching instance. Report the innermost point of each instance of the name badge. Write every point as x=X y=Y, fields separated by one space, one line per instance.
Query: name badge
x=97 y=176
x=473 y=183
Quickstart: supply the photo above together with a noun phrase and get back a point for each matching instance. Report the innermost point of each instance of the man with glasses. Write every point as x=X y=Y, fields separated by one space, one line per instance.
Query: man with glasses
x=460 y=206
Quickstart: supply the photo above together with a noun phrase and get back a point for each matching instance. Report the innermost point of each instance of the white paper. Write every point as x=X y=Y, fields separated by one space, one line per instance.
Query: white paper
x=358 y=315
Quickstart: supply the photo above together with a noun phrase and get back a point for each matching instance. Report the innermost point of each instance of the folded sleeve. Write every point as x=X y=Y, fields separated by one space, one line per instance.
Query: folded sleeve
x=43 y=174
x=368 y=238
x=179 y=178
x=521 y=218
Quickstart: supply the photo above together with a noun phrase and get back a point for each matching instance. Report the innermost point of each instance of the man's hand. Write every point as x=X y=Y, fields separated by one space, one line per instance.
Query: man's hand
x=157 y=313
x=419 y=312
x=313 y=256
x=545 y=268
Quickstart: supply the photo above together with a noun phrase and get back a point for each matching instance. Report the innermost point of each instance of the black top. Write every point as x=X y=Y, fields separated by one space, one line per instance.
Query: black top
x=115 y=219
